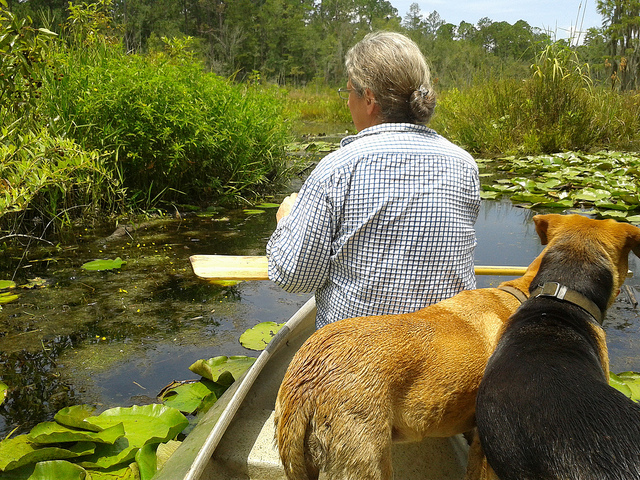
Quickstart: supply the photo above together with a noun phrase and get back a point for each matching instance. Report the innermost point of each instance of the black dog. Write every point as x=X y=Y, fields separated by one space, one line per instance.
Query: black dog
x=545 y=409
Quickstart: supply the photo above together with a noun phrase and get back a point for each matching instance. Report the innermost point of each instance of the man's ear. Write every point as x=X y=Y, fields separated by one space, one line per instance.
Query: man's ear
x=372 y=106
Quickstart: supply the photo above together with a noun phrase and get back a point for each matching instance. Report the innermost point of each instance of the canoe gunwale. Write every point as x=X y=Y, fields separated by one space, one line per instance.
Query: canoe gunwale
x=231 y=401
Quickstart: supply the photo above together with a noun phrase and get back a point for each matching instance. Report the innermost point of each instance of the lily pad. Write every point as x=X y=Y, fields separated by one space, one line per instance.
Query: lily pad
x=19 y=451
x=268 y=205
x=52 y=469
x=53 y=432
x=188 y=396
x=128 y=471
x=7 y=297
x=165 y=450
x=258 y=337
x=253 y=211
x=147 y=461
x=592 y=194
x=222 y=370
x=631 y=382
x=108 y=456
x=101 y=265
x=485 y=195
x=7 y=284
x=75 y=417
x=3 y=392
x=143 y=424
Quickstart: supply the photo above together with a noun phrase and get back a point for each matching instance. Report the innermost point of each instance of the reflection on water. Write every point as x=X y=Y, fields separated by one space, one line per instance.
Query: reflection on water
x=117 y=338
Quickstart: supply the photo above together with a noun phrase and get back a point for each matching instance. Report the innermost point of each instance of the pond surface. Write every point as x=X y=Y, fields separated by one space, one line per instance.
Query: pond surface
x=116 y=338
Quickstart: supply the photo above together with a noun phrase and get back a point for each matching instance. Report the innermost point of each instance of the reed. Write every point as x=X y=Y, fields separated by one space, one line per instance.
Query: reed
x=556 y=109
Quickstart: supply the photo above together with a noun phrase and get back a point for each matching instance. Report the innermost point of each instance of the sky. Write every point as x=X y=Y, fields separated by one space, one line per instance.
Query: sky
x=559 y=17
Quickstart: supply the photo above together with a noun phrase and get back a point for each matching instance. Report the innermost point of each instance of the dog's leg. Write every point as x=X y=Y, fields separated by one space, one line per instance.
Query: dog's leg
x=358 y=454
x=477 y=466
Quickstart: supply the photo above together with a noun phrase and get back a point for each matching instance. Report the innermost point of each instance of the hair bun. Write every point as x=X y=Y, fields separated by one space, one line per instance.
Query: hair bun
x=423 y=91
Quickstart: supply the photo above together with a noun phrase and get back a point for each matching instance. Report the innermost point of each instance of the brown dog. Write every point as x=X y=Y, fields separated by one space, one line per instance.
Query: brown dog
x=545 y=409
x=358 y=384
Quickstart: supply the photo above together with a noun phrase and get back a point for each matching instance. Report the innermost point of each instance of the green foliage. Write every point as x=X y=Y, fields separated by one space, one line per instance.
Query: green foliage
x=176 y=131
x=606 y=182
x=79 y=444
x=50 y=178
x=23 y=50
x=555 y=109
x=101 y=265
x=317 y=103
x=258 y=337
x=223 y=370
x=622 y=20
x=628 y=383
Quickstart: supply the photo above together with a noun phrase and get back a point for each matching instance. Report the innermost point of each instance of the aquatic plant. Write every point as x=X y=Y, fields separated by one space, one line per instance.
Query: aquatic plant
x=606 y=182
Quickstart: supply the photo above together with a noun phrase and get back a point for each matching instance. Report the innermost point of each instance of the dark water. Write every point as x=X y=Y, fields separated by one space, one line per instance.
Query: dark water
x=117 y=338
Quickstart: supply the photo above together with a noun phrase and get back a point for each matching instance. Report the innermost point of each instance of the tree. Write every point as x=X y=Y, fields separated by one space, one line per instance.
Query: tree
x=622 y=28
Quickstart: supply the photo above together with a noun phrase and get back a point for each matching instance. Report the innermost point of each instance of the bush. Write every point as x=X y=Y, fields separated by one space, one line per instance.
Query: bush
x=556 y=109
x=174 y=131
x=47 y=181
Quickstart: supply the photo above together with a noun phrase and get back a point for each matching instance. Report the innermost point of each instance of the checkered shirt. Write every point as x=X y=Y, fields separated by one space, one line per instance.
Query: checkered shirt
x=383 y=225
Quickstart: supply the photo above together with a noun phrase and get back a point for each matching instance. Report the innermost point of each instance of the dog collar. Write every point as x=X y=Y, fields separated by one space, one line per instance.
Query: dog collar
x=561 y=292
x=521 y=296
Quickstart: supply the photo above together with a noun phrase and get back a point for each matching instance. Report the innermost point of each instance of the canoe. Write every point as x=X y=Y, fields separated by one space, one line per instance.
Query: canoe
x=235 y=439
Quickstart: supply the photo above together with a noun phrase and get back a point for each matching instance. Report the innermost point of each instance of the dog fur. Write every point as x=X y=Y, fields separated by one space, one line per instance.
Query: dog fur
x=545 y=409
x=358 y=384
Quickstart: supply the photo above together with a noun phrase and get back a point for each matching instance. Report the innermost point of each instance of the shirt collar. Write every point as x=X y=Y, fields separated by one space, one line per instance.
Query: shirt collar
x=386 y=127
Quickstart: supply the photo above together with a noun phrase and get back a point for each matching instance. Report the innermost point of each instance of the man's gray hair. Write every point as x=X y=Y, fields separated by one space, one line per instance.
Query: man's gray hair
x=394 y=69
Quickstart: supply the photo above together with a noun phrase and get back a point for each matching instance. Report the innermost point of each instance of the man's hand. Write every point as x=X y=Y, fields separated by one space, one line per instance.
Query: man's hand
x=285 y=206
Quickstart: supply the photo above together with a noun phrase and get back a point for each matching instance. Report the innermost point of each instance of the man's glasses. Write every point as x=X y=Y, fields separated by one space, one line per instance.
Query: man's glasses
x=343 y=93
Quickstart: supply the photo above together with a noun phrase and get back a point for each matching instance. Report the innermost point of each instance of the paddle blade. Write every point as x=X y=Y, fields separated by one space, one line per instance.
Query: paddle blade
x=229 y=267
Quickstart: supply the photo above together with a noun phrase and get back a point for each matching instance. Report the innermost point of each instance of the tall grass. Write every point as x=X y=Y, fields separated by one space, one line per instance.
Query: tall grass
x=317 y=103
x=555 y=109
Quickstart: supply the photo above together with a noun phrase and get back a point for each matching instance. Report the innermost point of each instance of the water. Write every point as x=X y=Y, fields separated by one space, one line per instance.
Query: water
x=116 y=338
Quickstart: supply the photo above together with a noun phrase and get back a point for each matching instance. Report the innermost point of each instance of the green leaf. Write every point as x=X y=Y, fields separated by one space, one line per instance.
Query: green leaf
x=615 y=214
x=591 y=194
x=268 y=205
x=7 y=284
x=527 y=197
x=7 y=297
x=100 y=265
x=58 y=470
x=3 y=392
x=128 y=471
x=253 y=211
x=165 y=450
x=53 y=432
x=147 y=461
x=108 y=456
x=188 y=396
x=258 y=337
x=617 y=383
x=222 y=369
x=143 y=424
x=19 y=451
x=631 y=380
x=489 y=195
x=75 y=417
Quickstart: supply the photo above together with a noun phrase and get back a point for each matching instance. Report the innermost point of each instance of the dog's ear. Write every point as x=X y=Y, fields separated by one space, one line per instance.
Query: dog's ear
x=542 y=226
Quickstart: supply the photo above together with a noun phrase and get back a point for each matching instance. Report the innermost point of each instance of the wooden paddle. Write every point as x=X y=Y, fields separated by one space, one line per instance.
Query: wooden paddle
x=230 y=267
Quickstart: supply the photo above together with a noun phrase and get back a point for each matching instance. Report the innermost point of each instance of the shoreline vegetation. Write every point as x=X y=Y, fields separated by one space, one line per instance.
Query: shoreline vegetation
x=89 y=131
